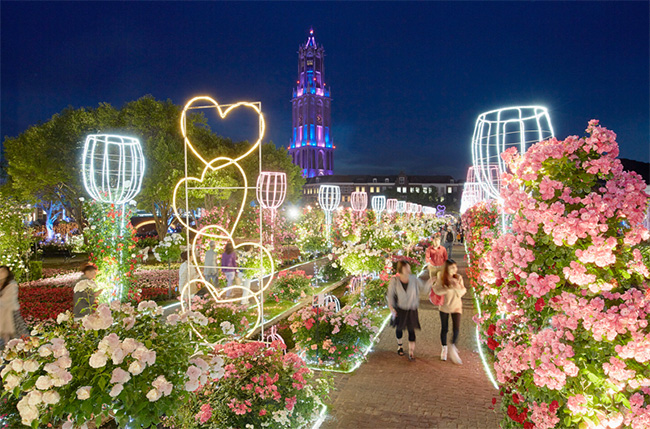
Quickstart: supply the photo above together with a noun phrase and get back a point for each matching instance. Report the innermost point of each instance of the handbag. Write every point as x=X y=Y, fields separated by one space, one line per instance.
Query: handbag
x=435 y=298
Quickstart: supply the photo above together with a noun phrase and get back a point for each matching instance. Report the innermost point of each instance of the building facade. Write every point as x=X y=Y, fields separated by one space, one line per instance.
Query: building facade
x=412 y=188
x=311 y=145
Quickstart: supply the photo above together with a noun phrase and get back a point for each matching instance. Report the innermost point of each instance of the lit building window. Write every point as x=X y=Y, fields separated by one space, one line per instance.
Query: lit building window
x=449 y=189
x=357 y=189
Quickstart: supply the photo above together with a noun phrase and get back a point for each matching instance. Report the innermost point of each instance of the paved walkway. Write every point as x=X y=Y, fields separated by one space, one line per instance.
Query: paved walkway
x=388 y=391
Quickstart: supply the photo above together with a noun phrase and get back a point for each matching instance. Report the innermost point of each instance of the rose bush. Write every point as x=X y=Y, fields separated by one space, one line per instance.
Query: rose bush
x=333 y=339
x=225 y=320
x=256 y=386
x=572 y=341
x=118 y=361
x=290 y=286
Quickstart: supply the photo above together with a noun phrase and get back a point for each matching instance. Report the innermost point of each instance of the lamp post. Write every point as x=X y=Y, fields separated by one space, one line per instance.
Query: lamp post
x=112 y=170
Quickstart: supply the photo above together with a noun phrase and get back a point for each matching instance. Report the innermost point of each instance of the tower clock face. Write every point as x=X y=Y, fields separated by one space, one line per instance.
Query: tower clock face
x=319 y=119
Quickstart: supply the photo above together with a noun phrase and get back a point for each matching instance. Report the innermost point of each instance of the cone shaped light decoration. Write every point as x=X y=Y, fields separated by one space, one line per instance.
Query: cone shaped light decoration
x=499 y=130
x=359 y=201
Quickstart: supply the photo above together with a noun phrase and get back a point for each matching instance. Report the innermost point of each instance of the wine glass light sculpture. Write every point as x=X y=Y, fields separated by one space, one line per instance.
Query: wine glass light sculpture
x=499 y=130
x=401 y=207
x=112 y=168
x=329 y=198
x=359 y=201
x=378 y=203
x=391 y=205
x=271 y=190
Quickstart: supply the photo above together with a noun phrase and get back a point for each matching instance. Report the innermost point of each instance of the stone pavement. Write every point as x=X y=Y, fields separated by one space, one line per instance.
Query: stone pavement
x=388 y=391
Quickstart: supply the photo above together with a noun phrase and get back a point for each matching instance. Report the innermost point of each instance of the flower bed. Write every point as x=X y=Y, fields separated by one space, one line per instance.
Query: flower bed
x=224 y=320
x=259 y=387
x=290 y=286
x=104 y=366
x=570 y=330
x=332 y=339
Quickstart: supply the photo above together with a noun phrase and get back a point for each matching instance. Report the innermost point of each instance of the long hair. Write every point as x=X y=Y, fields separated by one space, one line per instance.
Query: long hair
x=9 y=279
x=444 y=278
x=229 y=248
x=400 y=265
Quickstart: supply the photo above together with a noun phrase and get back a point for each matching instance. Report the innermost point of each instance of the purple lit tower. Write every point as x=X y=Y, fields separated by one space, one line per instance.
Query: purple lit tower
x=311 y=143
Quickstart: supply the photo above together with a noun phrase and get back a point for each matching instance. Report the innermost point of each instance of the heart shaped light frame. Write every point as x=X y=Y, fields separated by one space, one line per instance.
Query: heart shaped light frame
x=216 y=231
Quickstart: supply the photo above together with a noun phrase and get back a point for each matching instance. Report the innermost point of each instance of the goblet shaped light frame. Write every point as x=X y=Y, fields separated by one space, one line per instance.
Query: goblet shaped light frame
x=112 y=167
x=271 y=189
x=411 y=208
x=359 y=201
x=498 y=130
x=329 y=198
x=401 y=207
x=391 y=205
x=378 y=203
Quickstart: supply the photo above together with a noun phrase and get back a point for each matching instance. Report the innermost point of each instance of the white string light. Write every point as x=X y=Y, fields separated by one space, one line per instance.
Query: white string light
x=378 y=203
x=329 y=198
x=359 y=201
x=391 y=205
x=112 y=168
x=401 y=207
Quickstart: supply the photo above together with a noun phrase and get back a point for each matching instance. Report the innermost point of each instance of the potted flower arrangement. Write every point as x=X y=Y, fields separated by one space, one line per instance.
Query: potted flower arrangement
x=259 y=386
x=290 y=286
x=121 y=362
x=333 y=339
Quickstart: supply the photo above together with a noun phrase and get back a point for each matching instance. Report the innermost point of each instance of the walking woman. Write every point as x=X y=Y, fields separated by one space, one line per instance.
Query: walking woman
x=11 y=322
x=229 y=259
x=450 y=285
x=403 y=298
x=436 y=256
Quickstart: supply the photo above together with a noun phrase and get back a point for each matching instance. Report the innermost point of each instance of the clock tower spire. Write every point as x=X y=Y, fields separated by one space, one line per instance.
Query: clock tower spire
x=311 y=145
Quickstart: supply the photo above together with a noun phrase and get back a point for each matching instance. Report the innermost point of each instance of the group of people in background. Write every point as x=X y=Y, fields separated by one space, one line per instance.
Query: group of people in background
x=228 y=266
x=441 y=277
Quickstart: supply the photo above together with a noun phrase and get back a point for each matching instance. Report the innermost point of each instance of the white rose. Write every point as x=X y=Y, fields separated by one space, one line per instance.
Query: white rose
x=83 y=393
x=136 y=367
x=153 y=395
x=44 y=382
x=28 y=415
x=44 y=351
x=63 y=317
x=93 y=227
x=17 y=365
x=11 y=381
x=34 y=398
x=97 y=360
x=51 y=397
x=192 y=385
x=116 y=390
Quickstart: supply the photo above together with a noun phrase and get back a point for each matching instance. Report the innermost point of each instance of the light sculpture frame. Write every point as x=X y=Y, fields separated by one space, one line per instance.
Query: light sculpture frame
x=329 y=198
x=401 y=207
x=217 y=232
x=498 y=130
x=411 y=208
x=378 y=203
x=271 y=190
x=391 y=205
x=112 y=169
x=359 y=201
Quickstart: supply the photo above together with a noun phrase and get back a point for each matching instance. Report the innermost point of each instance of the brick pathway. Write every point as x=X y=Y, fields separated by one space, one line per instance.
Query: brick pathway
x=388 y=391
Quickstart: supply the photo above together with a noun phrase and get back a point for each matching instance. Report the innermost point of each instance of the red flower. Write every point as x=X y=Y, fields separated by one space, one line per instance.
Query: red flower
x=494 y=401
x=554 y=406
x=491 y=330
x=515 y=398
x=512 y=412
x=539 y=305
x=492 y=345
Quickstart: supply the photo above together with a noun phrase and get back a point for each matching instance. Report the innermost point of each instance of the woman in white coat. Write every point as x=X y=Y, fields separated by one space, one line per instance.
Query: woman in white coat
x=450 y=285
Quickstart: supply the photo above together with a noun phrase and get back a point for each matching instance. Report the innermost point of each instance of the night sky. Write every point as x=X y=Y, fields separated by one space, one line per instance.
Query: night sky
x=407 y=79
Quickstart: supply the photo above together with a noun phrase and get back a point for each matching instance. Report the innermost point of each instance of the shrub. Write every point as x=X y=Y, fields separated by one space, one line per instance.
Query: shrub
x=290 y=286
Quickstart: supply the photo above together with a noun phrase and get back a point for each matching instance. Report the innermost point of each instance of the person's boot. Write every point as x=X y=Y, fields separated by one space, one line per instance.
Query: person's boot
x=411 y=350
x=443 y=354
x=453 y=354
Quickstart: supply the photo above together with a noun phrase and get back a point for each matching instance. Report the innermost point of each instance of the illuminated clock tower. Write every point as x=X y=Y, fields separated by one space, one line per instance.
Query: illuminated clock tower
x=311 y=145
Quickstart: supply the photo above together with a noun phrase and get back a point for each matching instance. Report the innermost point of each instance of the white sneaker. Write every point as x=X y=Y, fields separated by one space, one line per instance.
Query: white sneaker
x=443 y=355
x=453 y=354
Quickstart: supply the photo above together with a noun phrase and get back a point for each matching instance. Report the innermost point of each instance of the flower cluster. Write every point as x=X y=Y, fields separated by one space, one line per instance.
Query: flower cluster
x=119 y=356
x=224 y=319
x=290 y=286
x=569 y=327
x=15 y=237
x=170 y=248
x=330 y=338
x=256 y=386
